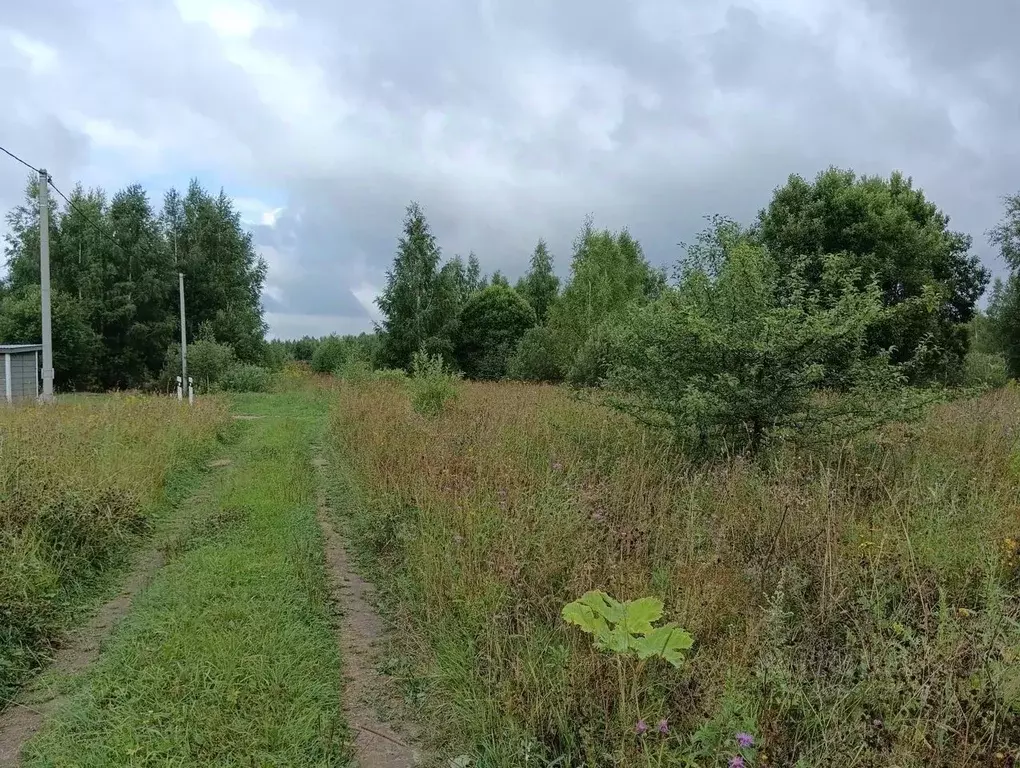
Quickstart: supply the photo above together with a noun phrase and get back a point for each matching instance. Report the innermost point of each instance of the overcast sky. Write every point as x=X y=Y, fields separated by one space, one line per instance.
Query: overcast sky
x=508 y=120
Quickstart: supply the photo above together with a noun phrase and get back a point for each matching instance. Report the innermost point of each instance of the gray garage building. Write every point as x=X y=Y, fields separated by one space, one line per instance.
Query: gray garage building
x=21 y=371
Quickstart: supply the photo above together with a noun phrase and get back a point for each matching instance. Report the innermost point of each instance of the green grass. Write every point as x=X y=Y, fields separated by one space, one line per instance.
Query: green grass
x=228 y=658
x=81 y=484
x=852 y=606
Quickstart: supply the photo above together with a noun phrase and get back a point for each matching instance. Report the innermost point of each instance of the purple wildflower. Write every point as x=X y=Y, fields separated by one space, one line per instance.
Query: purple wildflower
x=641 y=728
x=737 y=762
x=745 y=740
x=663 y=727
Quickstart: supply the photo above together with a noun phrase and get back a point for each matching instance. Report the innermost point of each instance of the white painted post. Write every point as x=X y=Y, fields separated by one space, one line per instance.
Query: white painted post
x=7 y=377
x=180 y=394
x=191 y=391
x=37 y=374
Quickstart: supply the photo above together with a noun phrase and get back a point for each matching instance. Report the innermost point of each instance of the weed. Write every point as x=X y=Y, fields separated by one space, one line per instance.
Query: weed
x=853 y=604
x=432 y=386
x=78 y=481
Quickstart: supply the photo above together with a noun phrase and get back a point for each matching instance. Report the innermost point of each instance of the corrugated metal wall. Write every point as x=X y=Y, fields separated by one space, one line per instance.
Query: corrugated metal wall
x=24 y=376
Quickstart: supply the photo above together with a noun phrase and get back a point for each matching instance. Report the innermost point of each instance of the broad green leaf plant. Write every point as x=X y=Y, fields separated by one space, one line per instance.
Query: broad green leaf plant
x=626 y=629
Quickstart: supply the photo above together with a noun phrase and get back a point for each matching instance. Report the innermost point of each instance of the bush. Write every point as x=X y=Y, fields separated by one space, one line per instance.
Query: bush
x=432 y=386
x=208 y=362
x=596 y=356
x=330 y=354
x=491 y=325
x=247 y=378
x=722 y=364
x=985 y=369
x=538 y=357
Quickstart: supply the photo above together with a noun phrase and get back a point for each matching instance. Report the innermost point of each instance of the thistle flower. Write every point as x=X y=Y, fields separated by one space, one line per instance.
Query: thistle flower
x=641 y=728
x=737 y=762
x=663 y=727
x=745 y=740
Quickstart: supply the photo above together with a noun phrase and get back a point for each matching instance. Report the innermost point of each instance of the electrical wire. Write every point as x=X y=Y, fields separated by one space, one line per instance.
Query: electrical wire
x=11 y=154
x=84 y=215
x=95 y=225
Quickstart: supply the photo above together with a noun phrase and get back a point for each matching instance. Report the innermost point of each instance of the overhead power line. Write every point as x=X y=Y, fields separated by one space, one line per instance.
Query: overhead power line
x=92 y=222
x=11 y=154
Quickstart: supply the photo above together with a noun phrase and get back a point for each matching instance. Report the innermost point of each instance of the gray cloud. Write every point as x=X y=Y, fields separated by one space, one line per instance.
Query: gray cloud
x=508 y=120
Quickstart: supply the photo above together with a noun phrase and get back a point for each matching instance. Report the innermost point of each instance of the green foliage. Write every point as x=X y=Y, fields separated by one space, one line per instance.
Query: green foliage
x=1004 y=322
x=245 y=377
x=723 y=364
x=123 y=281
x=540 y=286
x=208 y=363
x=1006 y=234
x=331 y=353
x=419 y=304
x=1004 y=307
x=609 y=274
x=896 y=238
x=985 y=369
x=626 y=627
x=538 y=357
x=432 y=386
x=76 y=347
x=596 y=357
x=491 y=325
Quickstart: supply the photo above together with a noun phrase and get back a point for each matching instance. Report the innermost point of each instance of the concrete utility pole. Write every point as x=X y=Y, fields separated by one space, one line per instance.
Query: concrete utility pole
x=184 y=341
x=44 y=280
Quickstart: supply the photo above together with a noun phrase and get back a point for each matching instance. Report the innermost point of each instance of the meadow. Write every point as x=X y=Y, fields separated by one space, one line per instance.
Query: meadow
x=81 y=481
x=855 y=604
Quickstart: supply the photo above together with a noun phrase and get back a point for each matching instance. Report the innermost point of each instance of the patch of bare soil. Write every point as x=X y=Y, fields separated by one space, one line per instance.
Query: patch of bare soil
x=20 y=721
x=216 y=463
x=378 y=743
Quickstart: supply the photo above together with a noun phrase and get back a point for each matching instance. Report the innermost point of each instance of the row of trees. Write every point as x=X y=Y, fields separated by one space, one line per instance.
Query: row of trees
x=852 y=285
x=884 y=231
x=114 y=265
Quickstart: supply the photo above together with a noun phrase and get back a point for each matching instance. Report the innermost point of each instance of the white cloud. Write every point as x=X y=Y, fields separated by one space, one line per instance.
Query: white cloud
x=41 y=58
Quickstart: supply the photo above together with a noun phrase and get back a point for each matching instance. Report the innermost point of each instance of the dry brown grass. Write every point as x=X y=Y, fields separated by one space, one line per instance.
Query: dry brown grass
x=854 y=606
x=77 y=482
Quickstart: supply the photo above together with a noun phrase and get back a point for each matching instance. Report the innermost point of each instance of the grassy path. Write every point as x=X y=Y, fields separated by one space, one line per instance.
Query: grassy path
x=228 y=658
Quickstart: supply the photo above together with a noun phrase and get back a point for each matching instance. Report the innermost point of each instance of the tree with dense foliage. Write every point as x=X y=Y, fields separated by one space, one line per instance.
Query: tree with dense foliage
x=538 y=357
x=608 y=274
x=490 y=327
x=223 y=273
x=419 y=307
x=540 y=285
x=723 y=363
x=896 y=237
x=76 y=347
x=117 y=262
x=1004 y=306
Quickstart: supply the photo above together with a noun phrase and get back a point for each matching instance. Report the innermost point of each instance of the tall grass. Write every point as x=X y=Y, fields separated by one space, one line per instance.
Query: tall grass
x=856 y=606
x=77 y=481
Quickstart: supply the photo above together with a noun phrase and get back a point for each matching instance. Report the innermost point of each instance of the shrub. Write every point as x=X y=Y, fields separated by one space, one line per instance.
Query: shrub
x=491 y=325
x=985 y=369
x=722 y=364
x=247 y=378
x=596 y=357
x=208 y=362
x=538 y=357
x=330 y=354
x=432 y=386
